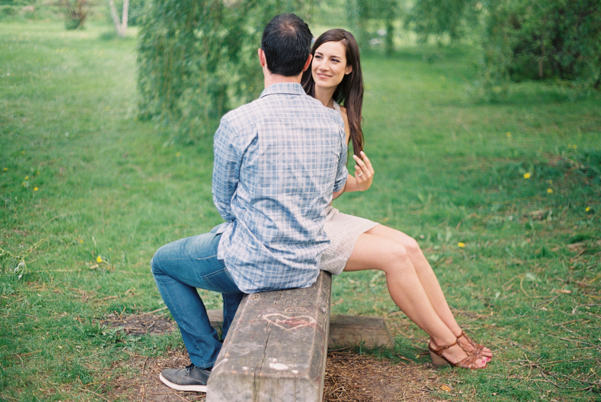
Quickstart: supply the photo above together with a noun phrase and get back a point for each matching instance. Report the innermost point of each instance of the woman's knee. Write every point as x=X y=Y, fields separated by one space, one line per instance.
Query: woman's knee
x=412 y=246
x=395 y=258
x=409 y=243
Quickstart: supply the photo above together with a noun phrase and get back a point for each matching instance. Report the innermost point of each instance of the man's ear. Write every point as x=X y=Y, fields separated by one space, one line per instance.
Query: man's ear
x=262 y=59
x=308 y=63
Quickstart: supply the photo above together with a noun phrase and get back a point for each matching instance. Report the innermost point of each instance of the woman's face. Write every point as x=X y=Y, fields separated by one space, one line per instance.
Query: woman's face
x=329 y=65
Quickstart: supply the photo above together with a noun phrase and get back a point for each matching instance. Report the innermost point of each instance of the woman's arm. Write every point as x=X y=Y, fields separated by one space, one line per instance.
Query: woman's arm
x=364 y=171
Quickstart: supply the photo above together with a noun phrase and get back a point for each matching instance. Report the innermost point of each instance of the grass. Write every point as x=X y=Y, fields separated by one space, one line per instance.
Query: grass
x=505 y=199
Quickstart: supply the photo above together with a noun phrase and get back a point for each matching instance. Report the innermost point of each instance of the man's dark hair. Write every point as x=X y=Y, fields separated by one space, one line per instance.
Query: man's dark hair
x=287 y=44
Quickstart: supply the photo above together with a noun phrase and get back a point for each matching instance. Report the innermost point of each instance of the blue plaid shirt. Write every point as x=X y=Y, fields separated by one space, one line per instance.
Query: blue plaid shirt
x=277 y=162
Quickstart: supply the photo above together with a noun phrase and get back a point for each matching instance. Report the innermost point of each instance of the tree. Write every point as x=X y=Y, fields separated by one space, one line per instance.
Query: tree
x=529 y=39
x=521 y=39
x=443 y=17
x=373 y=20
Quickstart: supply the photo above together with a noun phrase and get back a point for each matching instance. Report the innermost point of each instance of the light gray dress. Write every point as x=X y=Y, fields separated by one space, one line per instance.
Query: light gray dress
x=343 y=231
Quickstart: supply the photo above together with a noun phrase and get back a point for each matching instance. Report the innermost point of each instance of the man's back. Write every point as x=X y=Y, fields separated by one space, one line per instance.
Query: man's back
x=277 y=162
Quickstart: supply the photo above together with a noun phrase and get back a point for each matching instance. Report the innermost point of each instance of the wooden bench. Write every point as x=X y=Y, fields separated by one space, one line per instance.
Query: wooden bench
x=277 y=344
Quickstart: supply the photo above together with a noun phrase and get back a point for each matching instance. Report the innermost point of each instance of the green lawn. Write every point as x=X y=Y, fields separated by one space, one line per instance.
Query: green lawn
x=505 y=199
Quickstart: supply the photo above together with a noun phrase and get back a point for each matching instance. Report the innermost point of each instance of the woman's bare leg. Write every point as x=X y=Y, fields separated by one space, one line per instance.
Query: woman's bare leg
x=405 y=287
x=428 y=280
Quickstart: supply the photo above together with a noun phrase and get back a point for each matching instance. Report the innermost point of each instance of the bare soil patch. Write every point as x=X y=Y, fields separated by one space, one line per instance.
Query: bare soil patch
x=139 y=324
x=350 y=377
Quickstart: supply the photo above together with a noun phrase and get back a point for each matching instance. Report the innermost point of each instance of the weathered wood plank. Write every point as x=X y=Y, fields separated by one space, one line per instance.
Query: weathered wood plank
x=345 y=330
x=350 y=330
x=276 y=347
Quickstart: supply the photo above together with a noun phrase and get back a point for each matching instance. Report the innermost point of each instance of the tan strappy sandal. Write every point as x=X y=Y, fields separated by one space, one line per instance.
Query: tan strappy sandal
x=439 y=360
x=478 y=348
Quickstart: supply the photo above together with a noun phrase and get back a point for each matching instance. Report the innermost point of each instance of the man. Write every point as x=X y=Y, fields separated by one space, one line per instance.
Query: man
x=278 y=160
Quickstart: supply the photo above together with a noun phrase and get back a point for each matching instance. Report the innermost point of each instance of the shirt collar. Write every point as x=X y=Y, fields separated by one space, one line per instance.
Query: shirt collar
x=288 y=88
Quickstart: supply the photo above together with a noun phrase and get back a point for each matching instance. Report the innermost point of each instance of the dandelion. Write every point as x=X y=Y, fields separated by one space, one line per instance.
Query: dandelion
x=26 y=177
x=99 y=259
x=81 y=241
x=588 y=209
x=6 y=169
x=35 y=189
x=549 y=191
x=527 y=175
x=177 y=155
x=461 y=245
x=508 y=134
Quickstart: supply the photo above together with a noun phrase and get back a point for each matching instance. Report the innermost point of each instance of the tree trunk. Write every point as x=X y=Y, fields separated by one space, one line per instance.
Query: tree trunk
x=121 y=27
x=124 y=16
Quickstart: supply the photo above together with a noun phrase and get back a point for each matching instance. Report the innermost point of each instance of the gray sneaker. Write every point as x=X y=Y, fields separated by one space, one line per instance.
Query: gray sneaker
x=190 y=378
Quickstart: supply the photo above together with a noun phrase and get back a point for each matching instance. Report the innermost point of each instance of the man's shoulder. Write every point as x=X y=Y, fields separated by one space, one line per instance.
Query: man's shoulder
x=239 y=113
x=325 y=114
x=304 y=106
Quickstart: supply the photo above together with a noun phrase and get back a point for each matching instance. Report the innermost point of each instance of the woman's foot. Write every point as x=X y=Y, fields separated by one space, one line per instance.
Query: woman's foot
x=455 y=356
x=472 y=347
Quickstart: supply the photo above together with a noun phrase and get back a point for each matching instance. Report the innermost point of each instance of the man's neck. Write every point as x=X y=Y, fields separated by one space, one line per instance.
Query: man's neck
x=271 y=79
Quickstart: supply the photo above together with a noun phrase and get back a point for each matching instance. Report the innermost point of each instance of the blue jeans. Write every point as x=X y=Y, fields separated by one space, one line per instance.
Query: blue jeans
x=179 y=268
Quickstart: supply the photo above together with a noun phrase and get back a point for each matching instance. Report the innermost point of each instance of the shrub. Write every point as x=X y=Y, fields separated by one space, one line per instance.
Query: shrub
x=76 y=12
x=8 y=11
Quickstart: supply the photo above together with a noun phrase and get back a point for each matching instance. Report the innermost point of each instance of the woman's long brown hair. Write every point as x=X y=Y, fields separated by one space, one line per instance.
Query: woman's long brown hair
x=349 y=92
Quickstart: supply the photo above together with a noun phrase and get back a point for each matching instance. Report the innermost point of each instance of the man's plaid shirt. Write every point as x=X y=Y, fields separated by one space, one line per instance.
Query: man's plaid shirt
x=278 y=161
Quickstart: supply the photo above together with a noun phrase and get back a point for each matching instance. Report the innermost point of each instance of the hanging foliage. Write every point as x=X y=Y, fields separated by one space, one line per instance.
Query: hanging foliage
x=198 y=58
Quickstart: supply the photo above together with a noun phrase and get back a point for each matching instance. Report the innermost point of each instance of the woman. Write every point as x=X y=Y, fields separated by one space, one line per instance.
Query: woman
x=357 y=244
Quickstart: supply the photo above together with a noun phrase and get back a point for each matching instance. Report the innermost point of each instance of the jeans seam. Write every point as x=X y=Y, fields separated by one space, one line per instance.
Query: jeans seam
x=206 y=258
x=217 y=274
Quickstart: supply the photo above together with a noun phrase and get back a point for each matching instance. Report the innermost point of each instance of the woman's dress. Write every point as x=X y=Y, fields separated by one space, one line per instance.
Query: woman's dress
x=343 y=231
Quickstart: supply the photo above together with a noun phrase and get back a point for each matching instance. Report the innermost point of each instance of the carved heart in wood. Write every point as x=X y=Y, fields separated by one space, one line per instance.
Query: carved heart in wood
x=289 y=323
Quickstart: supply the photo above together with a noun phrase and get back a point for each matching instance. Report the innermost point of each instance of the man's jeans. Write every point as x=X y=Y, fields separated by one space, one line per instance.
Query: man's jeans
x=181 y=267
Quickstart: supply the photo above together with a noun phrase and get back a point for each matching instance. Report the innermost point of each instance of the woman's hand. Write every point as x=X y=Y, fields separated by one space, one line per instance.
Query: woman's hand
x=364 y=172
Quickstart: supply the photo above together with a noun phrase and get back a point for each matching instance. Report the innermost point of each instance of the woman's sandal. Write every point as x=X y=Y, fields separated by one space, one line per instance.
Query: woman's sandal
x=439 y=360
x=477 y=347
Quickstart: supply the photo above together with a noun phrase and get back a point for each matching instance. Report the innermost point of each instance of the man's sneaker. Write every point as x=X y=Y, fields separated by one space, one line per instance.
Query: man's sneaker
x=190 y=378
